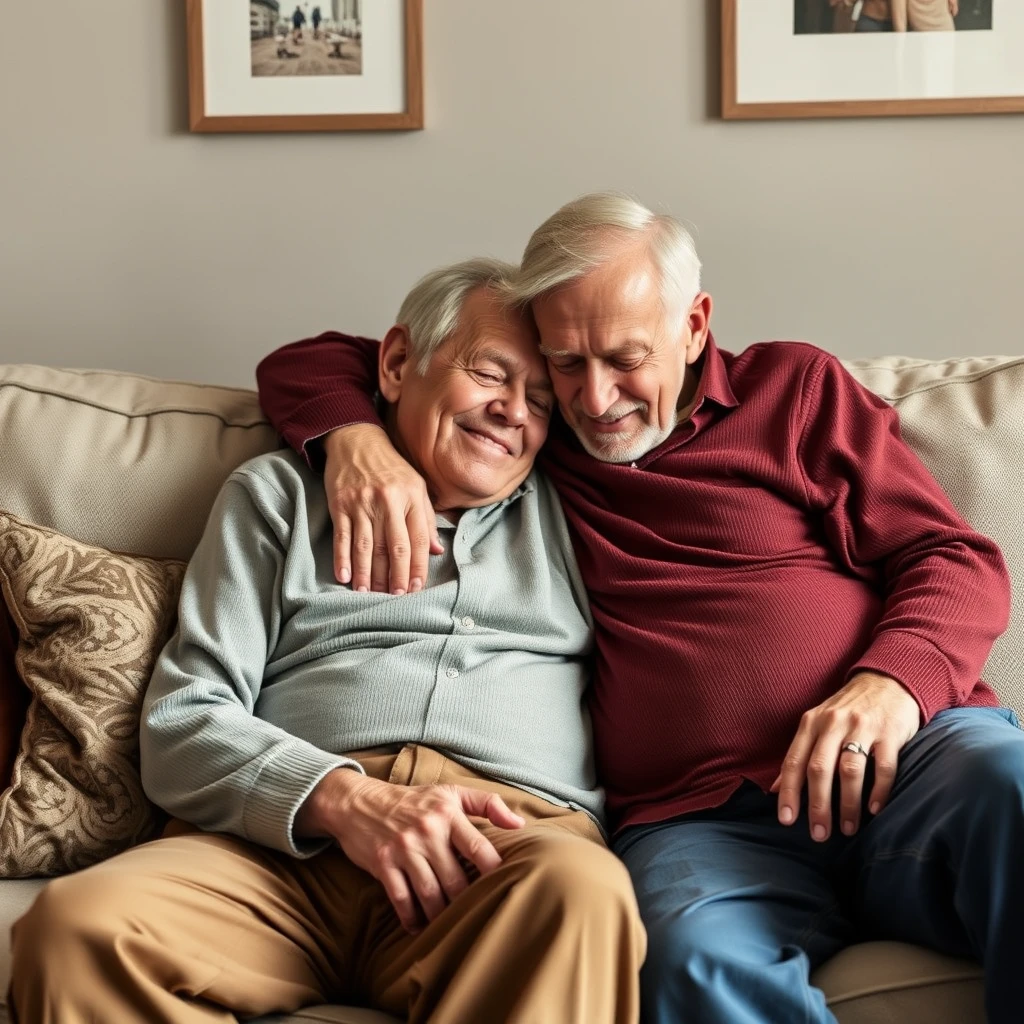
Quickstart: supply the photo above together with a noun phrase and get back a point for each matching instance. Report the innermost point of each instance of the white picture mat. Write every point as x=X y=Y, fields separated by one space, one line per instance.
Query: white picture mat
x=774 y=65
x=232 y=91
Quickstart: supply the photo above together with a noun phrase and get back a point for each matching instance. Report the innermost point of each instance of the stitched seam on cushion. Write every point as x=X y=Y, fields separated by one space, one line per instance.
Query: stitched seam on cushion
x=134 y=415
x=947 y=382
x=116 y=374
x=904 y=986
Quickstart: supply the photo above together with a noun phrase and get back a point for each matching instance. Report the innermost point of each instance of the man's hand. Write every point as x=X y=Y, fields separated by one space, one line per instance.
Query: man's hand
x=410 y=838
x=954 y=7
x=384 y=526
x=873 y=711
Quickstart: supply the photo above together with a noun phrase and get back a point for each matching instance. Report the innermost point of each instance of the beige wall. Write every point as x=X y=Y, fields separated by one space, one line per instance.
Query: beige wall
x=127 y=242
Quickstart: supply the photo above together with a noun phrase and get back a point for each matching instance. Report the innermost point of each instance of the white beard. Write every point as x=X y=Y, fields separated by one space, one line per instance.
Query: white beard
x=627 y=449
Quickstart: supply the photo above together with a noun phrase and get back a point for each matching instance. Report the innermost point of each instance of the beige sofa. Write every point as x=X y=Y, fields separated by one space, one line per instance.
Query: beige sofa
x=133 y=464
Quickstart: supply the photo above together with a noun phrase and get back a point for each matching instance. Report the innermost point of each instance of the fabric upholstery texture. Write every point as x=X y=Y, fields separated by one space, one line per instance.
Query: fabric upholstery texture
x=122 y=461
x=893 y=983
x=91 y=624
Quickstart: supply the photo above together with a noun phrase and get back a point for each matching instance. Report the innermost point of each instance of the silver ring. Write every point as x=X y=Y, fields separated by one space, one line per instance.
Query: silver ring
x=855 y=748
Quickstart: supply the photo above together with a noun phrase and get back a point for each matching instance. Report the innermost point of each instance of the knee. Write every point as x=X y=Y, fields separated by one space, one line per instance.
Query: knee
x=585 y=880
x=69 y=912
x=675 y=948
x=699 y=947
x=992 y=776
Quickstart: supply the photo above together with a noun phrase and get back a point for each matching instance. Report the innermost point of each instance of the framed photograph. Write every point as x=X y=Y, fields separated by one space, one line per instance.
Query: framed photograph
x=304 y=65
x=856 y=58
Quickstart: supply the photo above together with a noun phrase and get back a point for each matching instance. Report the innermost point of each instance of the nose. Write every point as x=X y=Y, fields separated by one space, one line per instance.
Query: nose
x=599 y=392
x=510 y=406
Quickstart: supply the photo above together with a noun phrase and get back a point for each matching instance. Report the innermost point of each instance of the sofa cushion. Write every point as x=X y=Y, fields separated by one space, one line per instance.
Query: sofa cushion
x=16 y=896
x=90 y=625
x=894 y=983
x=122 y=461
x=965 y=418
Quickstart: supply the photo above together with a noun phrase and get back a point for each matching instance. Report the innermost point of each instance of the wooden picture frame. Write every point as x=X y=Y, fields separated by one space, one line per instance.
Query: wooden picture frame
x=204 y=117
x=736 y=107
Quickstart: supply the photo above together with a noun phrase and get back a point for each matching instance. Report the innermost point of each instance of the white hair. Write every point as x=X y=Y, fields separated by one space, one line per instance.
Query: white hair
x=587 y=232
x=432 y=309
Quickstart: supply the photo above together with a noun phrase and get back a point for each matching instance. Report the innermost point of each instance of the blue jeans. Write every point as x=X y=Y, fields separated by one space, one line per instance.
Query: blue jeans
x=740 y=909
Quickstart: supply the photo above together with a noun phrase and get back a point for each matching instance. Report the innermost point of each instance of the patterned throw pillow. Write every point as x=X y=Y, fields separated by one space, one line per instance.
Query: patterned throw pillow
x=91 y=624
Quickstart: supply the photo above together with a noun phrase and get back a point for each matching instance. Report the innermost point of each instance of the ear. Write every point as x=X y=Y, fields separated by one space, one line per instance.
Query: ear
x=698 y=321
x=393 y=362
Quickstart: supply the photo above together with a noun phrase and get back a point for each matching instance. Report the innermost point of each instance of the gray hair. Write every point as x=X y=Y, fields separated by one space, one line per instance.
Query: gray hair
x=587 y=232
x=432 y=309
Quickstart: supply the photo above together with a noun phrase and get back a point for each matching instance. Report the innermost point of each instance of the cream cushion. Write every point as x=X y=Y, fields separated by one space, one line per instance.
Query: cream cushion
x=133 y=464
x=121 y=461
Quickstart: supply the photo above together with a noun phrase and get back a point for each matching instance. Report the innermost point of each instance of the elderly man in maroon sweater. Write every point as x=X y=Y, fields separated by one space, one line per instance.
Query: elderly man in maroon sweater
x=796 y=746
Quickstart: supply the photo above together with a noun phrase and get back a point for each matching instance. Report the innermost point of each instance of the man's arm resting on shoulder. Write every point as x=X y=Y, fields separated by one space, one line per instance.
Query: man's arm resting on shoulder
x=410 y=838
x=310 y=387
x=318 y=393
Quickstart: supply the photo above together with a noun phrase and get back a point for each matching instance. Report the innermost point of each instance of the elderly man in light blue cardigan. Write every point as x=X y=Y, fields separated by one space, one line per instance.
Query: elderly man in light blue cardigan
x=377 y=799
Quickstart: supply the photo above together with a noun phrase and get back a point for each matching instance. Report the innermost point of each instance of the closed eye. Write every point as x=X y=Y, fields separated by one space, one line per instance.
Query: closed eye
x=566 y=364
x=486 y=377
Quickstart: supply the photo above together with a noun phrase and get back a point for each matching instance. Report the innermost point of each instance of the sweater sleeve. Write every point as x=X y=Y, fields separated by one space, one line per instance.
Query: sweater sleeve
x=310 y=387
x=206 y=756
x=945 y=587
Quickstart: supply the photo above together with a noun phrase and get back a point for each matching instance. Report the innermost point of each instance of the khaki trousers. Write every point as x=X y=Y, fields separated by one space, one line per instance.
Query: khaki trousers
x=199 y=928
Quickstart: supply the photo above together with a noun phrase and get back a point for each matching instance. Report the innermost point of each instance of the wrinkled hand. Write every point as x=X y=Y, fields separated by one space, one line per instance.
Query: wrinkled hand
x=410 y=838
x=384 y=526
x=872 y=710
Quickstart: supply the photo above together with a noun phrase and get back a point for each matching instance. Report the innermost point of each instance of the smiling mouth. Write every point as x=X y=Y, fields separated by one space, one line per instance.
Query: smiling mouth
x=610 y=426
x=488 y=441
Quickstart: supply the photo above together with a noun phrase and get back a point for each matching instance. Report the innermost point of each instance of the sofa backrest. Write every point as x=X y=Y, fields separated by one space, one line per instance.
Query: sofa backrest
x=134 y=464
x=126 y=462
x=965 y=419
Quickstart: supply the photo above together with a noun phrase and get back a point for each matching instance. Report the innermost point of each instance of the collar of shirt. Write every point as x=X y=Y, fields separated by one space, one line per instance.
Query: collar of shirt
x=475 y=515
x=713 y=396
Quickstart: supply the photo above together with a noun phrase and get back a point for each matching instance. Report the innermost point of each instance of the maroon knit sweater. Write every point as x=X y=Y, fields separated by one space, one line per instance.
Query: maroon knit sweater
x=781 y=539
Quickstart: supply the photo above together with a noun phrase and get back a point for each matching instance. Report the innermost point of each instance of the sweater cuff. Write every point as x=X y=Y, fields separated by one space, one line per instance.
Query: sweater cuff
x=320 y=415
x=282 y=786
x=918 y=665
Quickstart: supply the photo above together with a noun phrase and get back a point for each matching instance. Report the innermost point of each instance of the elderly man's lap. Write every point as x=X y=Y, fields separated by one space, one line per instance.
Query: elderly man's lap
x=197 y=927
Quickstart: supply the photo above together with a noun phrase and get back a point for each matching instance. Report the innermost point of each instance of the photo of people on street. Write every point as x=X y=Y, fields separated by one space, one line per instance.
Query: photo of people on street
x=288 y=38
x=818 y=17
